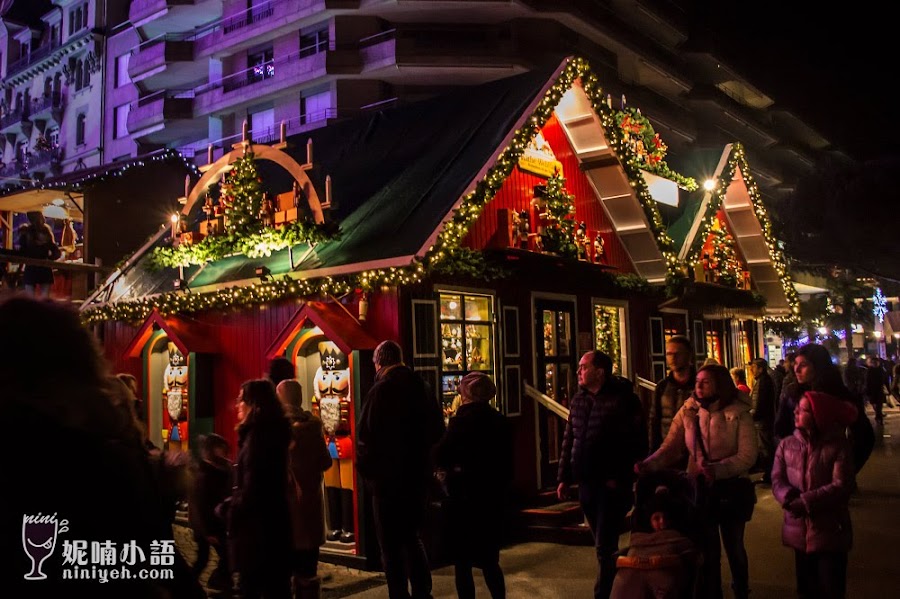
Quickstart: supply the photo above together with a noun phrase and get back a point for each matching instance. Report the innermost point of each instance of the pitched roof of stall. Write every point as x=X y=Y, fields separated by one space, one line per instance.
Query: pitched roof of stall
x=395 y=174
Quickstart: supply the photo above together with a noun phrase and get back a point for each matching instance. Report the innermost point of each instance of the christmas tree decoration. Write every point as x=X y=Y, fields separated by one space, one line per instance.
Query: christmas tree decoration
x=557 y=230
x=723 y=261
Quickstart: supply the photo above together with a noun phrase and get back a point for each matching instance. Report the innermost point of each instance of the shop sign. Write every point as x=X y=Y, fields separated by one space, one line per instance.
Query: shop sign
x=539 y=159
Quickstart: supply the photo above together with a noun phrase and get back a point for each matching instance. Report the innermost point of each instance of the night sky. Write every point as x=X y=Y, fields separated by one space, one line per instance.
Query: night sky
x=833 y=65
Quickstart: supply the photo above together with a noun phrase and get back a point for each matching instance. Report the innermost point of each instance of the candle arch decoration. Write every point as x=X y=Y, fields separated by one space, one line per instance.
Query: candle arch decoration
x=447 y=247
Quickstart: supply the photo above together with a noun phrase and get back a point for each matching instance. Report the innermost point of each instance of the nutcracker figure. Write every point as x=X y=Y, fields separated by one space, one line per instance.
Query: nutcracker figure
x=599 y=250
x=581 y=241
x=523 y=228
x=175 y=399
x=331 y=403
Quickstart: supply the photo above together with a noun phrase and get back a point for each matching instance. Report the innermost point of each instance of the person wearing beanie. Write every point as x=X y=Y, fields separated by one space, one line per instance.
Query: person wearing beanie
x=475 y=459
x=812 y=479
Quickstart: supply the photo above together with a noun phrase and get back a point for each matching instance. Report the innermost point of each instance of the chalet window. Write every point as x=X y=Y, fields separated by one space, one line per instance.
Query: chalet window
x=313 y=43
x=467 y=339
x=424 y=329
x=657 y=348
x=699 y=341
x=609 y=334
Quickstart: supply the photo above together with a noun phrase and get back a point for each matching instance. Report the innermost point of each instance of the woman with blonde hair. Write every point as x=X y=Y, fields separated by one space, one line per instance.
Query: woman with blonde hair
x=308 y=460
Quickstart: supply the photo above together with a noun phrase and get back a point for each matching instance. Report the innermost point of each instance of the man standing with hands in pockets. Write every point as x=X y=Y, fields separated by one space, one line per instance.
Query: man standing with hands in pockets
x=604 y=437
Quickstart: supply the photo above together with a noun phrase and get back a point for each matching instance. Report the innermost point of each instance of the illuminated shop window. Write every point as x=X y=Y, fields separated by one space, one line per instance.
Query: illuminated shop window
x=467 y=341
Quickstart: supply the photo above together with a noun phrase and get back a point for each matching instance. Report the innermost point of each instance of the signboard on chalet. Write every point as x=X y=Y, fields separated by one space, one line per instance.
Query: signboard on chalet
x=539 y=159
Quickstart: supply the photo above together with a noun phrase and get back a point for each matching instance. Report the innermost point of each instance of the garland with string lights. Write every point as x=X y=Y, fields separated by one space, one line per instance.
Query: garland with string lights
x=241 y=195
x=648 y=147
x=448 y=241
x=738 y=160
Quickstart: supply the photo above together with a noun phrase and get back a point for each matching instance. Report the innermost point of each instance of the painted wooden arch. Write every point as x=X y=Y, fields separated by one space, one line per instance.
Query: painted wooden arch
x=221 y=166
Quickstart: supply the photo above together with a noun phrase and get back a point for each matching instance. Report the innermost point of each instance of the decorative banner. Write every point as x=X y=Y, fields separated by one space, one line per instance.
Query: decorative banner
x=539 y=159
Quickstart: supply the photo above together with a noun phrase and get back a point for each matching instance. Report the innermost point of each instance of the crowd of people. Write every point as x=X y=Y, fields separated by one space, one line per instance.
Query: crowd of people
x=680 y=468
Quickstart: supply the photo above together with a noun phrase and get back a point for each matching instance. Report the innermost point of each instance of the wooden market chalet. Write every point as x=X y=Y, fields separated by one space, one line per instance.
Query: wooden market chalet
x=506 y=228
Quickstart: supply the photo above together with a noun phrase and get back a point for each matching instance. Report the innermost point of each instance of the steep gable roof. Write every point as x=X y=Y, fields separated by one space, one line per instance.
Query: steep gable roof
x=748 y=221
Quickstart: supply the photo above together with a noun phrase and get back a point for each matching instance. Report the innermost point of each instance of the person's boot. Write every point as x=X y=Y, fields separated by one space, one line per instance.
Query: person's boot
x=308 y=588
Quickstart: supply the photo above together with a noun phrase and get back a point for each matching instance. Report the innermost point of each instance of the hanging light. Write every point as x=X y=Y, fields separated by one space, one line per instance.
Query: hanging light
x=55 y=211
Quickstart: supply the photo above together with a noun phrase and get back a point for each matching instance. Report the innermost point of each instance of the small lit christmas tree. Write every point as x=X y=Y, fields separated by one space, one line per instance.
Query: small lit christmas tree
x=724 y=260
x=242 y=196
x=558 y=236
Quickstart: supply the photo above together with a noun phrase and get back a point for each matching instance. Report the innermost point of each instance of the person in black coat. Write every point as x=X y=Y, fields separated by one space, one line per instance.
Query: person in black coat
x=398 y=428
x=211 y=486
x=762 y=397
x=259 y=522
x=475 y=457
x=874 y=383
x=816 y=372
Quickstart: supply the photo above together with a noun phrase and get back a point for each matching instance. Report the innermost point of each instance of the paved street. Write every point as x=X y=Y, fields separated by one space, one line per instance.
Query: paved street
x=541 y=570
x=538 y=570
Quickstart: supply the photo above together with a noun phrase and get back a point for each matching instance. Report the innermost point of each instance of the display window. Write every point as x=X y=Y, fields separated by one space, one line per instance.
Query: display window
x=714 y=346
x=467 y=342
x=609 y=334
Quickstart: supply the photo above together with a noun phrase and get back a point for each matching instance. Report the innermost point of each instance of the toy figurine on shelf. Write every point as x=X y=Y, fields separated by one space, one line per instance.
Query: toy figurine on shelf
x=539 y=204
x=599 y=250
x=707 y=269
x=523 y=228
x=208 y=207
x=267 y=211
x=581 y=241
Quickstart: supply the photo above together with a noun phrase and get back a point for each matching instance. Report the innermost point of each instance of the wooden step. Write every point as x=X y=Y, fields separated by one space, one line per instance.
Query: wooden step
x=558 y=514
x=576 y=535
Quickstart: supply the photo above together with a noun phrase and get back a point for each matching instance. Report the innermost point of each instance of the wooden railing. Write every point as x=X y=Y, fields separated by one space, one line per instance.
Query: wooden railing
x=547 y=401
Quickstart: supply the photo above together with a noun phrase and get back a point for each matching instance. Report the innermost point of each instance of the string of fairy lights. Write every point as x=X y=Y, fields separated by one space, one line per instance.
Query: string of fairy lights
x=448 y=245
x=738 y=160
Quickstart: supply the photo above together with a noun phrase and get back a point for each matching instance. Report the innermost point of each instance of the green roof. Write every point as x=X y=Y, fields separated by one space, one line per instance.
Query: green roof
x=395 y=174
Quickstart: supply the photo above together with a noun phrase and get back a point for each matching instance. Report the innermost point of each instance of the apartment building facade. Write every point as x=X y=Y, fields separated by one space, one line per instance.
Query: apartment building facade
x=187 y=74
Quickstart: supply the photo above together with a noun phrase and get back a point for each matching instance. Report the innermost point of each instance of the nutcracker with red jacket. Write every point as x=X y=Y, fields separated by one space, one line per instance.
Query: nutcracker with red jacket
x=331 y=403
x=175 y=400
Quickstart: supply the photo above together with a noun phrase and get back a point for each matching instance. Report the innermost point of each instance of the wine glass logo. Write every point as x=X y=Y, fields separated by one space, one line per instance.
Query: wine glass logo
x=39 y=534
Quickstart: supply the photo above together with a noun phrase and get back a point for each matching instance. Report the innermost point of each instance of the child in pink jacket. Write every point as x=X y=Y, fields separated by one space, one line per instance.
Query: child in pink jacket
x=812 y=479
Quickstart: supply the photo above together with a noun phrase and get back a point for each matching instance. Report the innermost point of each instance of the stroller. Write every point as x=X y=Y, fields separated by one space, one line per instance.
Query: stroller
x=664 y=559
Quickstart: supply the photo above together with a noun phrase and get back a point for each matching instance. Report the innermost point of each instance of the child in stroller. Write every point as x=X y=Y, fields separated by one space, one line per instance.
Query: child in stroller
x=663 y=560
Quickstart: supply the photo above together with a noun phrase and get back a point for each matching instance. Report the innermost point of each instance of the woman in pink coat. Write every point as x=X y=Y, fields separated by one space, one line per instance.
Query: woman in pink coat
x=812 y=479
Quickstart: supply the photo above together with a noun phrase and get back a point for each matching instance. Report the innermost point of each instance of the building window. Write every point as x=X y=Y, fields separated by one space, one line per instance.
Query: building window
x=120 y=125
x=315 y=107
x=53 y=137
x=80 y=129
x=78 y=18
x=467 y=340
x=261 y=65
x=79 y=75
x=262 y=126
x=122 y=69
x=313 y=43
x=86 y=72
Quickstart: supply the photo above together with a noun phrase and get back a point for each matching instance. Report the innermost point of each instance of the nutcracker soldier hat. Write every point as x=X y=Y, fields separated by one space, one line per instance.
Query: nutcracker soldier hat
x=331 y=357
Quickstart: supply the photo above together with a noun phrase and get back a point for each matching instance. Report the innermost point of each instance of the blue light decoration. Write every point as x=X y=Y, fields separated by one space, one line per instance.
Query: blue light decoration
x=879 y=304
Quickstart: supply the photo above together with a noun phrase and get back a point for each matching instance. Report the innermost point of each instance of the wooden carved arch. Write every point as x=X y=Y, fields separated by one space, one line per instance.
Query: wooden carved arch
x=296 y=170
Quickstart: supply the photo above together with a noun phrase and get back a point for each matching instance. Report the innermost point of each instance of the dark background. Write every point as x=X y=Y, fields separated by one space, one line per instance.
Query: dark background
x=833 y=64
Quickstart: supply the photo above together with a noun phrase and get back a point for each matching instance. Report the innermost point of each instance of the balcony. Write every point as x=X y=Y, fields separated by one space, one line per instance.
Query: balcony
x=47 y=161
x=16 y=122
x=34 y=56
x=237 y=32
x=47 y=107
x=156 y=17
x=13 y=170
x=165 y=62
x=475 y=55
x=276 y=76
x=165 y=117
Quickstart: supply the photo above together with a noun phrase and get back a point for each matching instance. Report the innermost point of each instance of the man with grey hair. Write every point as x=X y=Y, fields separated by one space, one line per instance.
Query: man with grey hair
x=399 y=425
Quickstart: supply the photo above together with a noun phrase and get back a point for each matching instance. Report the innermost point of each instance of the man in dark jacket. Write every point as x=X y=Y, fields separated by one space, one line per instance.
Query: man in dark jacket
x=672 y=390
x=604 y=437
x=778 y=374
x=399 y=425
x=762 y=397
